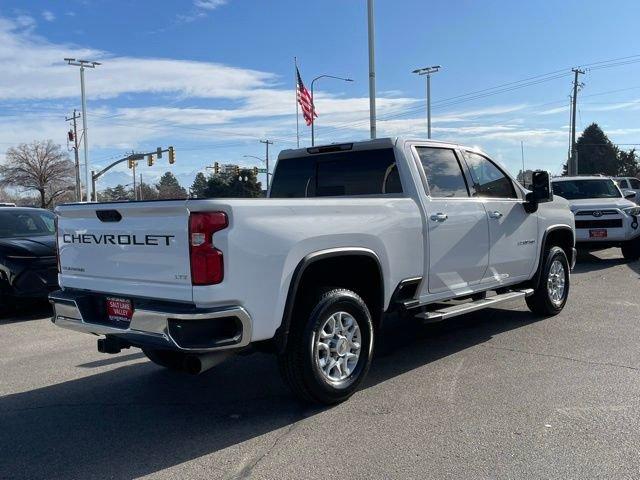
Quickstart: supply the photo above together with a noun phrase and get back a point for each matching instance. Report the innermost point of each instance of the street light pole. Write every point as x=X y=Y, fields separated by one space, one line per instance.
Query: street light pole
x=84 y=64
x=313 y=105
x=428 y=71
x=372 y=68
x=267 y=143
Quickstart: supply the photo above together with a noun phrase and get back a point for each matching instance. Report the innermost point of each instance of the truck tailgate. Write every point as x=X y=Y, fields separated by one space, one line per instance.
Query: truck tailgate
x=137 y=249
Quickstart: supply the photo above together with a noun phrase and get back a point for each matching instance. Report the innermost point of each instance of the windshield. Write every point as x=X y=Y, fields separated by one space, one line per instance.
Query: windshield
x=22 y=223
x=578 y=189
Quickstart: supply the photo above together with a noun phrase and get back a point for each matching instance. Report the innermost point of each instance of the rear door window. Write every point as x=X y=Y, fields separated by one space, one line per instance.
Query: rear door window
x=635 y=183
x=443 y=172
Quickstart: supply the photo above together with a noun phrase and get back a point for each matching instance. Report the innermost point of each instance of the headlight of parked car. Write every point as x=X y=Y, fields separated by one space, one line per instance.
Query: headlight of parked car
x=635 y=211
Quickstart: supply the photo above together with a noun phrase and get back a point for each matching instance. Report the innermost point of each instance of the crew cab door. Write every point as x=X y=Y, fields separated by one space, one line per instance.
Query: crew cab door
x=513 y=232
x=456 y=223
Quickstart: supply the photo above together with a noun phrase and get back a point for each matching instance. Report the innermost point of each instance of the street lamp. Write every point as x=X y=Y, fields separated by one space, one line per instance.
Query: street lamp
x=84 y=64
x=428 y=71
x=313 y=105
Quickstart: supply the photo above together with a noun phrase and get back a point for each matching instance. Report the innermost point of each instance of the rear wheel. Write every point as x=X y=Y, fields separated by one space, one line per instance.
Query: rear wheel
x=330 y=348
x=165 y=358
x=631 y=250
x=550 y=296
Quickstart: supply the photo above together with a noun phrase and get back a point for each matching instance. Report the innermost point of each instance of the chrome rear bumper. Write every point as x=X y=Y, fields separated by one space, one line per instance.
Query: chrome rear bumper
x=154 y=326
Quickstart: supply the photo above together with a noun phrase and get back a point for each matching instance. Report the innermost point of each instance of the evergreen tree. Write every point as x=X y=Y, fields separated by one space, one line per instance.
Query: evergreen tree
x=245 y=185
x=596 y=153
x=115 y=194
x=148 y=192
x=627 y=163
x=199 y=187
x=169 y=187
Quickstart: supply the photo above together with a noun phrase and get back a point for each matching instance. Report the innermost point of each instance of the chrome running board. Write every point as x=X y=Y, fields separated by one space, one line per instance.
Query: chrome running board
x=455 y=310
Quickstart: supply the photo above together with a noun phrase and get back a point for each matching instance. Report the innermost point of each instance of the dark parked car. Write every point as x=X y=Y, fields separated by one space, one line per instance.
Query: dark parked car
x=28 y=268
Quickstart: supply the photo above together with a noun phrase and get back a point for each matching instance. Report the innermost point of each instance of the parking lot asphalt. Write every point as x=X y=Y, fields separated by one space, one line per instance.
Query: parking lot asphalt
x=496 y=394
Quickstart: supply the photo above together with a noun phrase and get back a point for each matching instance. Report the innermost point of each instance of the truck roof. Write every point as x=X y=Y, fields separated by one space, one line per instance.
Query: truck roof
x=386 y=142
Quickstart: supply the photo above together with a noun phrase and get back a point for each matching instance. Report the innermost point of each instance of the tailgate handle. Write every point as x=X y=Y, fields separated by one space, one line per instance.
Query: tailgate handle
x=108 y=215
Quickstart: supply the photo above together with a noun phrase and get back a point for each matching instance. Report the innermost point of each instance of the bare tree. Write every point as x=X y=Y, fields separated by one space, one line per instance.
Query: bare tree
x=40 y=166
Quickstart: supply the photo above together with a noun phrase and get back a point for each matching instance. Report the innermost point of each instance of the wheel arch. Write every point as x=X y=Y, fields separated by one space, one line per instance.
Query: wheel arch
x=313 y=267
x=561 y=235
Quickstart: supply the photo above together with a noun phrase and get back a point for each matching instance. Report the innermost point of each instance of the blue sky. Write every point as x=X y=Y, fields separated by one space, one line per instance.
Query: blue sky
x=212 y=77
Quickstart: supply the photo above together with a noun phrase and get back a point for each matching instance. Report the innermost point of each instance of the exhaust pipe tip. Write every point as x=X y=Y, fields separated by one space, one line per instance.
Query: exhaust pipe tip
x=195 y=364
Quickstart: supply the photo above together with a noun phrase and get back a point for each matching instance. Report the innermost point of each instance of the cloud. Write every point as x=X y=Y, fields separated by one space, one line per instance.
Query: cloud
x=44 y=75
x=209 y=4
x=48 y=15
x=25 y=21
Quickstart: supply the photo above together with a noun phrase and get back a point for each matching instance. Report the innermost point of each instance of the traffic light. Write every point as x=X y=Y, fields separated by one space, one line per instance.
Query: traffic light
x=131 y=162
x=150 y=160
x=216 y=168
x=255 y=171
x=236 y=168
x=172 y=156
x=70 y=135
x=159 y=152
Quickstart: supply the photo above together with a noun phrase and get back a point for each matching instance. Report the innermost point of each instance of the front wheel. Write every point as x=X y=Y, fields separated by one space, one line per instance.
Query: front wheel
x=330 y=348
x=631 y=250
x=550 y=296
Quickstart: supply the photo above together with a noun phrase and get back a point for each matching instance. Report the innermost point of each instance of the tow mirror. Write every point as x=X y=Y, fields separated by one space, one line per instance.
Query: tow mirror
x=541 y=190
x=629 y=194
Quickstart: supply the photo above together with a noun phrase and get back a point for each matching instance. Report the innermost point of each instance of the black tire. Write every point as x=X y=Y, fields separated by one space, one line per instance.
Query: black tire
x=298 y=364
x=165 y=358
x=631 y=250
x=540 y=302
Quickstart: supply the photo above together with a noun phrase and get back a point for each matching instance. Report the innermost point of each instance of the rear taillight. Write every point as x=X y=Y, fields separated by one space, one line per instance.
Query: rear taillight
x=207 y=266
x=55 y=223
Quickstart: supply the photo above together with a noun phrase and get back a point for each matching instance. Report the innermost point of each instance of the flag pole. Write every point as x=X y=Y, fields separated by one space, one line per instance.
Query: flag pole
x=295 y=74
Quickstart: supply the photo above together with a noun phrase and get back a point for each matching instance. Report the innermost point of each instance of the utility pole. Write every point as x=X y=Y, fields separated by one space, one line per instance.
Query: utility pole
x=84 y=64
x=76 y=154
x=573 y=164
x=428 y=71
x=140 y=187
x=522 y=153
x=267 y=143
x=372 y=69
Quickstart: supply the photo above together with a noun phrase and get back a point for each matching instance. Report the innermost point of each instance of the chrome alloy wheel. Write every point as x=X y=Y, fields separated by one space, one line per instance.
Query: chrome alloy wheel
x=556 y=283
x=338 y=345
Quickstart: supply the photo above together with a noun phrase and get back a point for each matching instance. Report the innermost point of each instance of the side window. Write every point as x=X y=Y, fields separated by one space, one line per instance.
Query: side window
x=443 y=171
x=635 y=183
x=488 y=180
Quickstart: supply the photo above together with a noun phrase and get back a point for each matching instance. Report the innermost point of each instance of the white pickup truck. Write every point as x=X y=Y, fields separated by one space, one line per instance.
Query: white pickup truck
x=350 y=233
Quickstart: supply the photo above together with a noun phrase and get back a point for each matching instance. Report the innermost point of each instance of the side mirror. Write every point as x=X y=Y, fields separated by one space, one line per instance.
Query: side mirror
x=541 y=191
x=629 y=194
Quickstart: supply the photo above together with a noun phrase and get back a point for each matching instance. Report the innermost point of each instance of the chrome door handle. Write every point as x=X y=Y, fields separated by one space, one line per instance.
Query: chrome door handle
x=495 y=214
x=439 y=217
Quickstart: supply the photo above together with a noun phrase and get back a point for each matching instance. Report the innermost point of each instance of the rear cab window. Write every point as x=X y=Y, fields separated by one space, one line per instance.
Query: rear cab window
x=337 y=174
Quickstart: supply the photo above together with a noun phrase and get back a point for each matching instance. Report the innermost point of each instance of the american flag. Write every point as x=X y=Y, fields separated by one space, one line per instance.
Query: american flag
x=305 y=101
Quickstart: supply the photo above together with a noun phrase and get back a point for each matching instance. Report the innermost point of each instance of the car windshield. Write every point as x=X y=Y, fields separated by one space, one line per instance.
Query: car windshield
x=578 y=189
x=23 y=223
